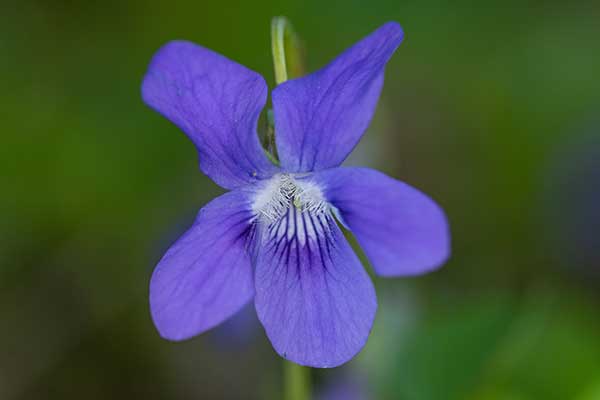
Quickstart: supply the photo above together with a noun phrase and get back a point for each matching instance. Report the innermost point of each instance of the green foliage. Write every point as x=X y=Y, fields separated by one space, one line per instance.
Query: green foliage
x=94 y=186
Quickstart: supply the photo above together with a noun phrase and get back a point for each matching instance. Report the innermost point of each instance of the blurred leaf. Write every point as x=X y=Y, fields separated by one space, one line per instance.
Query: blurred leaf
x=553 y=350
x=592 y=392
x=444 y=357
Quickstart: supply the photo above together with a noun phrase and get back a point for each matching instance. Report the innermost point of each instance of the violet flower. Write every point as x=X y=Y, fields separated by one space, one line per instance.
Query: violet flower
x=274 y=237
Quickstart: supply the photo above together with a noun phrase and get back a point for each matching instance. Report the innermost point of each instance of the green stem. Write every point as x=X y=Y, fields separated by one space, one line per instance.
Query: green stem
x=297 y=381
x=288 y=63
x=278 y=28
x=287 y=49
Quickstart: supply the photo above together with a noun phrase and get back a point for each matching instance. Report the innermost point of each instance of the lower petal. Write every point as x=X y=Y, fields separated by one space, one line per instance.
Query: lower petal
x=313 y=296
x=206 y=276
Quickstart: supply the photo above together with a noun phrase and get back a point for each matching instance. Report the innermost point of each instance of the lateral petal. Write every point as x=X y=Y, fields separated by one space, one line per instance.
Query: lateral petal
x=401 y=230
x=206 y=276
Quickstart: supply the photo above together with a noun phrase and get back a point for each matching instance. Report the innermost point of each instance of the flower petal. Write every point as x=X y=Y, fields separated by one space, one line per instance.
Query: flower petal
x=401 y=230
x=216 y=102
x=206 y=276
x=313 y=296
x=321 y=117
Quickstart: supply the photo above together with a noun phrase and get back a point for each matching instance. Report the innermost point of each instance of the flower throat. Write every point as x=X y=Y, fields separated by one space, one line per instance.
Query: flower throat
x=284 y=191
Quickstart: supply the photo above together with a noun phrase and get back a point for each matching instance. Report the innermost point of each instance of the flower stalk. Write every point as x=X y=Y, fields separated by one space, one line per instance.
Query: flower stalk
x=288 y=63
x=297 y=381
x=288 y=54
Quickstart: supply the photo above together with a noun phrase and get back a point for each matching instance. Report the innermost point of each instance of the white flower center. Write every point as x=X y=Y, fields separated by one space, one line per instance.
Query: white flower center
x=282 y=192
x=292 y=208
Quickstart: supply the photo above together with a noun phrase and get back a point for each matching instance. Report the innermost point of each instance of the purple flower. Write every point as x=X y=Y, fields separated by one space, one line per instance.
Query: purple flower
x=274 y=237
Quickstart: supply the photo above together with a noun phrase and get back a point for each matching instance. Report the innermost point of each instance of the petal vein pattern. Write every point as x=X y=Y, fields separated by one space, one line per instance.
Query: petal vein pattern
x=313 y=297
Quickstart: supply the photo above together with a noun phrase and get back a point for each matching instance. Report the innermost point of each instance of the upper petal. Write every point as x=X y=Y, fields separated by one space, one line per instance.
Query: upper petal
x=321 y=117
x=401 y=230
x=206 y=276
x=216 y=102
x=313 y=296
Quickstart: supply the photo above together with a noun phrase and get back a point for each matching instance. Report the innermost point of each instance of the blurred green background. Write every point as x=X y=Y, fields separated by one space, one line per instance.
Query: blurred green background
x=492 y=108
